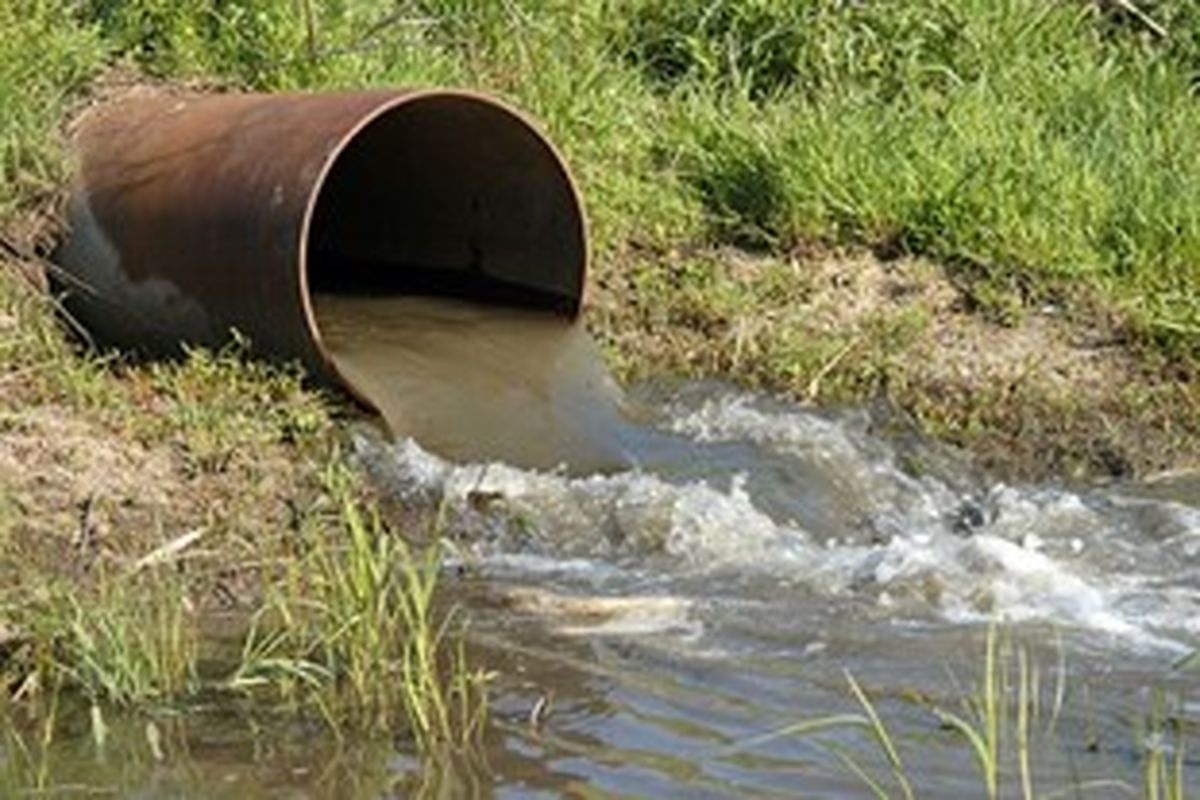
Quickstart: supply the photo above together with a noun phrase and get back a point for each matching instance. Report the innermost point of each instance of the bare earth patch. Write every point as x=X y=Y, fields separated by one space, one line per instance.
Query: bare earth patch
x=1048 y=392
x=60 y=463
x=102 y=464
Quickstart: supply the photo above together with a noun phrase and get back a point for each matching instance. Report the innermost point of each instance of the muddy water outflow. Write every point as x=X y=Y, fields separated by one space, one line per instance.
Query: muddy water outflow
x=828 y=518
x=478 y=383
x=683 y=615
x=423 y=250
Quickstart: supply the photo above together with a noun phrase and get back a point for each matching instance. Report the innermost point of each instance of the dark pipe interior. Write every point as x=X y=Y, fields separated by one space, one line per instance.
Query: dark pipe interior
x=451 y=196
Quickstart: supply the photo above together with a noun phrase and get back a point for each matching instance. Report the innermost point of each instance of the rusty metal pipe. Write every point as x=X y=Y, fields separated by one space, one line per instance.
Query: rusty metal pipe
x=194 y=216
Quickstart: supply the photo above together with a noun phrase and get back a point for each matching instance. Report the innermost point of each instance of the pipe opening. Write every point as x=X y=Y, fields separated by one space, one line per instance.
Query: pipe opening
x=449 y=195
x=446 y=259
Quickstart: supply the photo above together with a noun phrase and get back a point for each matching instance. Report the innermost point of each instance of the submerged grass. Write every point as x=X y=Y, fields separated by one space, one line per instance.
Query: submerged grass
x=1164 y=750
x=1005 y=719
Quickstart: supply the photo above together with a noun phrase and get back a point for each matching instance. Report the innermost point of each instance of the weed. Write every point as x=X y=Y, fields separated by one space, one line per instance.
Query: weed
x=1004 y=725
x=1163 y=749
x=132 y=642
x=359 y=620
x=348 y=626
x=884 y=739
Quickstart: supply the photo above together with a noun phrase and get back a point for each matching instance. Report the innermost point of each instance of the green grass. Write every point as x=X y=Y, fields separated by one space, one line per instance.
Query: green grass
x=1039 y=152
x=342 y=625
x=1005 y=138
x=46 y=56
x=1003 y=721
x=350 y=623
x=1042 y=154
x=1032 y=146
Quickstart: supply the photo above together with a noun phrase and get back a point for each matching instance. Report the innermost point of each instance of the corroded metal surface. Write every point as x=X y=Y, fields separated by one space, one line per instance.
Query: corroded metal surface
x=197 y=215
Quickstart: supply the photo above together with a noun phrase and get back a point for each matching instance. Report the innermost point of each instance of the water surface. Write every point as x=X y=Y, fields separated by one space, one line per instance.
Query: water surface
x=666 y=581
x=681 y=611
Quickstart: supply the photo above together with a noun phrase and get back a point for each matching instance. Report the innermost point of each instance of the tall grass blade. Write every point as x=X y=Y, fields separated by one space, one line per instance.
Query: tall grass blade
x=882 y=737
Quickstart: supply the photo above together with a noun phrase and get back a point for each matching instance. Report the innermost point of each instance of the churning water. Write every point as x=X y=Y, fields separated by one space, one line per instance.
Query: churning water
x=703 y=576
x=679 y=612
x=748 y=492
x=669 y=616
x=513 y=411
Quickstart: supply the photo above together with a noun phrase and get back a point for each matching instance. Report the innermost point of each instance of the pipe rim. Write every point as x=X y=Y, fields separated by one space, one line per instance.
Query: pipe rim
x=328 y=363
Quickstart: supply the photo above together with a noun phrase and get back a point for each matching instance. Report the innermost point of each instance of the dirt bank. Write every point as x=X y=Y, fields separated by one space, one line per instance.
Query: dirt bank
x=1053 y=388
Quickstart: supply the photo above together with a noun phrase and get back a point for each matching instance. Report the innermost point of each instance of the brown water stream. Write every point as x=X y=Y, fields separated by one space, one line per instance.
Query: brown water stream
x=479 y=383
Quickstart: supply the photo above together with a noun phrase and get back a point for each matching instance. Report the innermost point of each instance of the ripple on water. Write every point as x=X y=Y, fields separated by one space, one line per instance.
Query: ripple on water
x=756 y=492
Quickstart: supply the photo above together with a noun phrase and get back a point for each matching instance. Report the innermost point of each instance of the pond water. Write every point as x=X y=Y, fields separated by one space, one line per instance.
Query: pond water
x=668 y=627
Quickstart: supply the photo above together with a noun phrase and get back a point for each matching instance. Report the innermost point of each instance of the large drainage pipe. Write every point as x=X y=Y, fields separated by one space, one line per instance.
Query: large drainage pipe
x=194 y=216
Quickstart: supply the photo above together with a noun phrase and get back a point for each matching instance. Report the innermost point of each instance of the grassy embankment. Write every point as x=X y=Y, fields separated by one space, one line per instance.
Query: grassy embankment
x=179 y=532
x=984 y=211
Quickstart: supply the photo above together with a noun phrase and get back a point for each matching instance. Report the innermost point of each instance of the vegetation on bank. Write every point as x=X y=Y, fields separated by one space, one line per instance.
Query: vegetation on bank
x=1023 y=143
x=752 y=169
x=178 y=532
x=1041 y=154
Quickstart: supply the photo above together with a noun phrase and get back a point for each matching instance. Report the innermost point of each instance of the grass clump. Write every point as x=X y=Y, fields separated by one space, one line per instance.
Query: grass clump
x=1004 y=721
x=1034 y=156
x=343 y=623
x=145 y=501
x=124 y=642
x=259 y=43
x=765 y=49
x=352 y=624
x=45 y=58
x=225 y=406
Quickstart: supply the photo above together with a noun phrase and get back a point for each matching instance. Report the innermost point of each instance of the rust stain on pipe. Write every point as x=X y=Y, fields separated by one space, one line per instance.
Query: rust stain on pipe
x=197 y=215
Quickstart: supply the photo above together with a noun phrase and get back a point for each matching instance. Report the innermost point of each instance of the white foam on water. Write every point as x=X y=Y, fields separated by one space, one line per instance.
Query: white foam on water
x=1026 y=554
x=603 y=515
x=860 y=471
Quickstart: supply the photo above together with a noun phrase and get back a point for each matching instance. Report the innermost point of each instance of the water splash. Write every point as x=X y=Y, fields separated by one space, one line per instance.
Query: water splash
x=751 y=493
